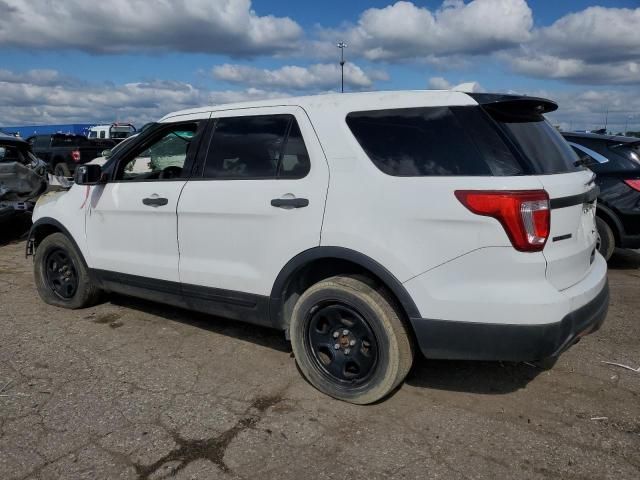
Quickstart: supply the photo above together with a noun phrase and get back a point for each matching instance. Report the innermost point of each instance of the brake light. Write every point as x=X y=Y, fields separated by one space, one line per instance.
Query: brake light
x=524 y=214
x=635 y=184
x=75 y=155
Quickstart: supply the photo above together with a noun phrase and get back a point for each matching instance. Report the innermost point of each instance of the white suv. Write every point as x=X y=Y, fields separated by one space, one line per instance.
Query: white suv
x=362 y=225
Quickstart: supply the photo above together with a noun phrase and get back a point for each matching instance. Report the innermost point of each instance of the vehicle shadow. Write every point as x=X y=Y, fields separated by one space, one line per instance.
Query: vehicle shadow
x=266 y=337
x=624 y=259
x=495 y=378
x=458 y=376
x=15 y=229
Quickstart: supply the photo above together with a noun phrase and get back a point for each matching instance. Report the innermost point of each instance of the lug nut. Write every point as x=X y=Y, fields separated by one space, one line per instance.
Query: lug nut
x=345 y=332
x=347 y=351
x=336 y=334
x=352 y=343
x=337 y=346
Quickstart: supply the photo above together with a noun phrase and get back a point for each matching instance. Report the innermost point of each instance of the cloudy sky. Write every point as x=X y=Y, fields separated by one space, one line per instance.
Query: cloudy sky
x=135 y=60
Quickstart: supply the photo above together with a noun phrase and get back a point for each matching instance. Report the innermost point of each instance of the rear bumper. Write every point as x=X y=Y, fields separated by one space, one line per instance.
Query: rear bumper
x=509 y=342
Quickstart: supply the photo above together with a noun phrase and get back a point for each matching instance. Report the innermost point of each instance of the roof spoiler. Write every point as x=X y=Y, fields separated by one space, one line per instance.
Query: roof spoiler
x=514 y=104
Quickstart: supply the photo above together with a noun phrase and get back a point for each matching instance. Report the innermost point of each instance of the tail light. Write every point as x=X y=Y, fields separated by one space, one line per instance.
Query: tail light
x=75 y=155
x=524 y=214
x=635 y=184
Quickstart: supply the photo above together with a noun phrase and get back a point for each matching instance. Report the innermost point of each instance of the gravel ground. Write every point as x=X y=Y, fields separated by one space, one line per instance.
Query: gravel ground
x=131 y=389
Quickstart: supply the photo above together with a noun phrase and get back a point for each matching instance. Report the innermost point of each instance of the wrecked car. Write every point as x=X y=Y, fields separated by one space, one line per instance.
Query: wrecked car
x=23 y=177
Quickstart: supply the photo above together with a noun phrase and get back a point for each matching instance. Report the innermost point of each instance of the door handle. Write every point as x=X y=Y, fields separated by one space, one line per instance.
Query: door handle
x=155 y=201
x=290 y=202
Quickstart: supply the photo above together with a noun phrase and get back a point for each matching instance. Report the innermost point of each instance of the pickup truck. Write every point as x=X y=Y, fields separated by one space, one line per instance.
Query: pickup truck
x=63 y=153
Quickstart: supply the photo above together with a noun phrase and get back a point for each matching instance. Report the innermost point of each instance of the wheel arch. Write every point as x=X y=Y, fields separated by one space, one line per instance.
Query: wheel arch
x=609 y=216
x=45 y=226
x=319 y=263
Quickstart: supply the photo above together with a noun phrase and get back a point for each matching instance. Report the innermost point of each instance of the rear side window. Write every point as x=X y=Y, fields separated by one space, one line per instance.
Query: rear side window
x=261 y=146
x=432 y=141
x=295 y=159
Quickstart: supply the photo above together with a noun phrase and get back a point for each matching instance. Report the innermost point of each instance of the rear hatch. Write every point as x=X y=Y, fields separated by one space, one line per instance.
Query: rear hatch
x=571 y=245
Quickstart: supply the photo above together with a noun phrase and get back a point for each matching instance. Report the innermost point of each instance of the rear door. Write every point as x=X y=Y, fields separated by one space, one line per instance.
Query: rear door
x=570 y=249
x=259 y=203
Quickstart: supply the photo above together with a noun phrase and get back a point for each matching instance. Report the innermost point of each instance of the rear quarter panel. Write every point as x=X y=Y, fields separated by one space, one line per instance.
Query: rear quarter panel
x=408 y=224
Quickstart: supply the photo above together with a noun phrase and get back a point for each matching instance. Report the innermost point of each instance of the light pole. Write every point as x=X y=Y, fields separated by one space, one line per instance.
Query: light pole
x=626 y=125
x=342 y=46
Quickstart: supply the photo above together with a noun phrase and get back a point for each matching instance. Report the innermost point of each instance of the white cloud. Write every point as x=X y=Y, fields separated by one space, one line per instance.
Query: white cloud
x=575 y=70
x=292 y=77
x=405 y=31
x=440 y=83
x=586 y=109
x=211 y=26
x=596 y=34
x=24 y=99
x=594 y=46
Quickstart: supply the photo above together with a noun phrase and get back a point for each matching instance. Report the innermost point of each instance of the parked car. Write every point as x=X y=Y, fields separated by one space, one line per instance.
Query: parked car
x=364 y=226
x=64 y=152
x=616 y=162
x=114 y=131
x=22 y=177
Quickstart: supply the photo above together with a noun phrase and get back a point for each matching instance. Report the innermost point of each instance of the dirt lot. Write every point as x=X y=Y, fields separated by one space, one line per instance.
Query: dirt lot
x=130 y=389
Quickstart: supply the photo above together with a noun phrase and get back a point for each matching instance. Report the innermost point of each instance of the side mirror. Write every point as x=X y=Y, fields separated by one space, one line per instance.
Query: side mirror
x=88 y=174
x=106 y=153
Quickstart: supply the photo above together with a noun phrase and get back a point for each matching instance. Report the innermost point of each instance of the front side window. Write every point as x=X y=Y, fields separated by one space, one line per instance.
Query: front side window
x=261 y=146
x=162 y=157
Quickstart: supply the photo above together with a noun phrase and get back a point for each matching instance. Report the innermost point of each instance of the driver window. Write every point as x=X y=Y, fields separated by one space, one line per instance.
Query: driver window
x=163 y=159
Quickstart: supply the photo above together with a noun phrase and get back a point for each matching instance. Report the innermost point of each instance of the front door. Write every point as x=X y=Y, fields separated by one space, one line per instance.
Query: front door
x=131 y=222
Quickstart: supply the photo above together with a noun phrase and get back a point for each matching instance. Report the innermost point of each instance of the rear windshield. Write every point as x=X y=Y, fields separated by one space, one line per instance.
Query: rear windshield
x=541 y=144
x=629 y=150
x=460 y=141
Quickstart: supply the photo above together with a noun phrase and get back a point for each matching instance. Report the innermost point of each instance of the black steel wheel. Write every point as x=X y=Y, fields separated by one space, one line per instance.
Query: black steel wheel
x=349 y=339
x=341 y=341
x=61 y=275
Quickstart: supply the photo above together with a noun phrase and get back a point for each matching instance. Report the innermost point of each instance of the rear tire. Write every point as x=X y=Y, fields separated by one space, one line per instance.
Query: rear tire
x=606 y=239
x=374 y=355
x=61 y=276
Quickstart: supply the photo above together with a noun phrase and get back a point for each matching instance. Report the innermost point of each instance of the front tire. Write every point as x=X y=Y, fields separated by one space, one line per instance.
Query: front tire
x=606 y=239
x=349 y=340
x=61 y=276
